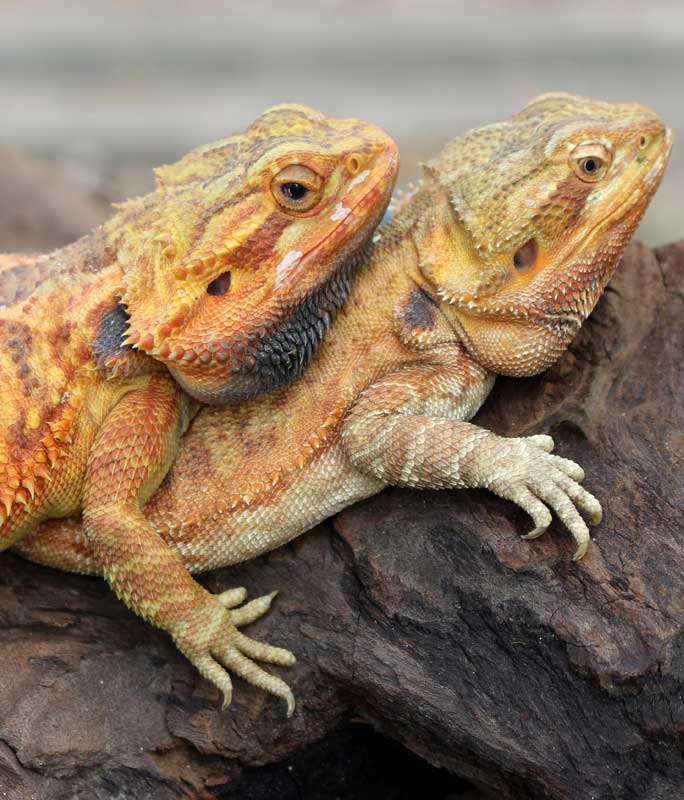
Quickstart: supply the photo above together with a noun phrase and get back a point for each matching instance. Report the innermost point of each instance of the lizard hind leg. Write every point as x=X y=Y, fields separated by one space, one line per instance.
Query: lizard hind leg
x=61 y=544
x=130 y=456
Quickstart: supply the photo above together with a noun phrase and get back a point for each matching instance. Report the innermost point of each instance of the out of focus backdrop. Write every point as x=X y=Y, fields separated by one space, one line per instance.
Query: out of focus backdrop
x=108 y=89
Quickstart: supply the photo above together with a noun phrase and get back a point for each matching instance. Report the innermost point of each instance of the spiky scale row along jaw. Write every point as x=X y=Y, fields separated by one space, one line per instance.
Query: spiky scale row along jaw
x=540 y=208
x=234 y=296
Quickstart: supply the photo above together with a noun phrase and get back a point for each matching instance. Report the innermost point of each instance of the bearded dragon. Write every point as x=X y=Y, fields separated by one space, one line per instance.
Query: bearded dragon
x=216 y=287
x=490 y=267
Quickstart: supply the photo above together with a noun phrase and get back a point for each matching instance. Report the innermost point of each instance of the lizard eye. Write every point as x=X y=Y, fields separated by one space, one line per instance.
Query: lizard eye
x=297 y=188
x=590 y=161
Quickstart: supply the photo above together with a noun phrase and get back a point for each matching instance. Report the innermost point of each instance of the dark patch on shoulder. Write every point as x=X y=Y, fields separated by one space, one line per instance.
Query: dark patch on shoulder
x=110 y=333
x=421 y=310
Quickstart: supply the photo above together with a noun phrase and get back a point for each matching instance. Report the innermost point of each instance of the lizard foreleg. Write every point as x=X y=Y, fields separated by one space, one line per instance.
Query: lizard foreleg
x=409 y=429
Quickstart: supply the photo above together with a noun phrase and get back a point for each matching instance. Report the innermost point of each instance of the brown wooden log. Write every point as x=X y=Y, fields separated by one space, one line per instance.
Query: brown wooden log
x=421 y=613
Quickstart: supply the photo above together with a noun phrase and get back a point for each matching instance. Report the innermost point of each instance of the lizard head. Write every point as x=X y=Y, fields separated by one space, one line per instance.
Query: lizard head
x=537 y=212
x=234 y=267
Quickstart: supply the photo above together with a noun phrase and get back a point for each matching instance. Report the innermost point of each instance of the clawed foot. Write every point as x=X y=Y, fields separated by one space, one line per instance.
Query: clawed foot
x=213 y=643
x=524 y=471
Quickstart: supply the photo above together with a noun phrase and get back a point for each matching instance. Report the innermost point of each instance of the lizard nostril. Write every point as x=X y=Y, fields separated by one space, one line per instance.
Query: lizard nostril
x=219 y=286
x=526 y=255
x=353 y=164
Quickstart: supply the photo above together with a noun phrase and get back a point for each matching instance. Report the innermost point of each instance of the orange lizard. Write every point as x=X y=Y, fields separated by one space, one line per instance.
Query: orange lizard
x=489 y=268
x=222 y=282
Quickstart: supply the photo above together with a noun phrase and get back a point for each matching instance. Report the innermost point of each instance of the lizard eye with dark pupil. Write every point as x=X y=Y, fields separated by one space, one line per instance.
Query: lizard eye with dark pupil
x=294 y=191
x=590 y=161
x=297 y=189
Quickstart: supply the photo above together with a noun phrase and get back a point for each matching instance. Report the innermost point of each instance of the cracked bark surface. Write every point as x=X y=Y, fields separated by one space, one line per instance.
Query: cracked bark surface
x=421 y=613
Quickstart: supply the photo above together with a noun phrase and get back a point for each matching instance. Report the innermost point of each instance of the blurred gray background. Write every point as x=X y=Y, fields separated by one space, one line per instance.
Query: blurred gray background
x=108 y=89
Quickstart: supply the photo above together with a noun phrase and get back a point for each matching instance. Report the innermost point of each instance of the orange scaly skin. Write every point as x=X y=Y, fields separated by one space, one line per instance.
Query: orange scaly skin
x=453 y=293
x=222 y=282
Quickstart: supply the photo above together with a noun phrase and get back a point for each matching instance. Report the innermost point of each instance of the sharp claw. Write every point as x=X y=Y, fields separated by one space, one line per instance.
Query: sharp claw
x=582 y=540
x=596 y=517
x=581 y=550
x=535 y=534
x=227 y=699
x=290 y=701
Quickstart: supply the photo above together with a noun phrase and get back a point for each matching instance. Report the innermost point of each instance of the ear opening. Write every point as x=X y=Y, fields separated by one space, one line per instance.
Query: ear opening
x=219 y=286
x=526 y=256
